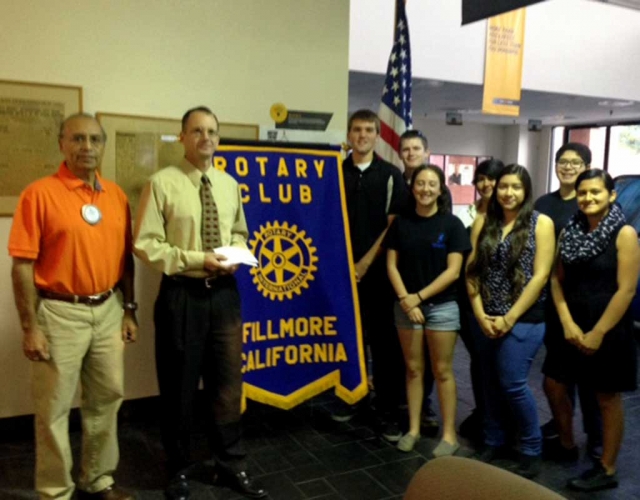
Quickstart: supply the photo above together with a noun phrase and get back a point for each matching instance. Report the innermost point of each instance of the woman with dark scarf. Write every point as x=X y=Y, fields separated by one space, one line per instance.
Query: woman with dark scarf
x=593 y=284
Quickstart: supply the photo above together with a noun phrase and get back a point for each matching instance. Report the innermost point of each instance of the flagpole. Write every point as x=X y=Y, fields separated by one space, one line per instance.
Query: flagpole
x=395 y=105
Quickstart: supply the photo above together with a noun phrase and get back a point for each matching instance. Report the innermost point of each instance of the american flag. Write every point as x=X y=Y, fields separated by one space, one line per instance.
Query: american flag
x=395 y=108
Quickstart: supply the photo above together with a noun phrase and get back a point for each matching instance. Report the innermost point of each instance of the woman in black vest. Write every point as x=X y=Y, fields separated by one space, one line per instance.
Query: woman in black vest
x=593 y=284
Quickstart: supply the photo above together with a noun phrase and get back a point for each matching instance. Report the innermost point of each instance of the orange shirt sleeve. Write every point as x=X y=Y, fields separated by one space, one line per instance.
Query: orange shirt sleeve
x=24 y=238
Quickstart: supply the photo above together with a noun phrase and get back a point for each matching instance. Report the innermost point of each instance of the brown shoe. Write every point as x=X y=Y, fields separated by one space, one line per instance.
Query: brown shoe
x=110 y=493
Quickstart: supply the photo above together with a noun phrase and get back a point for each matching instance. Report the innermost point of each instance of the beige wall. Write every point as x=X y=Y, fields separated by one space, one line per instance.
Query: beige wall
x=158 y=58
x=475 y=139
x=510 y=143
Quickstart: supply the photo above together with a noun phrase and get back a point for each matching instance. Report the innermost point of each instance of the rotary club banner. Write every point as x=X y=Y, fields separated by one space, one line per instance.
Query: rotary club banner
x=503 y=63
x=301 y=329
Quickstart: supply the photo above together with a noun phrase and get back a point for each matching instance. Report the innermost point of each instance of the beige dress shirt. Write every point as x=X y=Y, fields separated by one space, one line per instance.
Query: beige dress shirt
x=167 y=229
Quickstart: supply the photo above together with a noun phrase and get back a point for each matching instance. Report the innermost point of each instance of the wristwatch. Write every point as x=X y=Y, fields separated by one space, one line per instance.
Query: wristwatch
x=130 y=306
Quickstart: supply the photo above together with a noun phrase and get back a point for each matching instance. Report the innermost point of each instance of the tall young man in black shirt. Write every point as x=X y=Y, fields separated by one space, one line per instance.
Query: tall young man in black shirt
x=375 y=192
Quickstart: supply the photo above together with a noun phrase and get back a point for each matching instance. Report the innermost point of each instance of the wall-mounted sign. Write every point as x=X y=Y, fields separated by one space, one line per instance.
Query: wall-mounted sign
x=503 y=64
x=305 y=120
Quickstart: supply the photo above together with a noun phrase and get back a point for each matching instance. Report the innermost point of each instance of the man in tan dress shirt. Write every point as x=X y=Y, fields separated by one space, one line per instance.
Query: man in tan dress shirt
x=197 y=312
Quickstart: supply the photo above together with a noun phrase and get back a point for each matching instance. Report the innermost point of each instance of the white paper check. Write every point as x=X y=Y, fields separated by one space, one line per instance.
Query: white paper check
x=236 y=255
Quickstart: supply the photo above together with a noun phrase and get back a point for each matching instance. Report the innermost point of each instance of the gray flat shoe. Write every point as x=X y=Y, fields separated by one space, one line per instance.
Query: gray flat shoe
x=407 y=442
x=445 y=449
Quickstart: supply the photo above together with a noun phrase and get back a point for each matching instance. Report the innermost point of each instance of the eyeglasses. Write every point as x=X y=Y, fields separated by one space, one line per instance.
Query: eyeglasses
x=199 y=132
x=575 y=163
x=95 y=140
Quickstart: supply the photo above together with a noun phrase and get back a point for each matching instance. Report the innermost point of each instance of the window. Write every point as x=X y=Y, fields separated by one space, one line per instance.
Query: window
x=615 y=148
x=557 y=140
x=624 y=150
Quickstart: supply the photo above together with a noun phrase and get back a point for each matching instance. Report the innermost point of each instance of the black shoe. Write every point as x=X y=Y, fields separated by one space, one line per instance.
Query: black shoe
x=344 y=412
x=594 y=450
x=429 y=424
x=243 y=483
x=471 y=427
x=178 y=488
x=549 y=430
x=109 y=493
x=593 y=480
x=554 y=451
x=529 y=466
x=391 y=432
x=490 y=453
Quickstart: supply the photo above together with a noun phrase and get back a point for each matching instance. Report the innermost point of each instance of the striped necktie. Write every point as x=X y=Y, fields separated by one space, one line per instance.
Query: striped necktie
x=210 y=227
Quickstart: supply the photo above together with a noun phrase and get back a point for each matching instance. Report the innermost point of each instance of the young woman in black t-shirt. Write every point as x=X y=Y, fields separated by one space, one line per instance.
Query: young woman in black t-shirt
x=424 y=258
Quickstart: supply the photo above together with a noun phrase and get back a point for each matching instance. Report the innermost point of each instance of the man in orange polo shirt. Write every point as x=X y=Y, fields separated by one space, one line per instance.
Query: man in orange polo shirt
x=71 y=248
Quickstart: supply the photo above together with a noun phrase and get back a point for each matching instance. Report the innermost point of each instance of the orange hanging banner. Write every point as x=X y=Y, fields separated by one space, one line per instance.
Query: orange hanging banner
x=503 y=63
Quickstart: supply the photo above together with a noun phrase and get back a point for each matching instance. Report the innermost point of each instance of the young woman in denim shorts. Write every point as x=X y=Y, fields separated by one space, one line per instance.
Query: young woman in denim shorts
x=424 y=258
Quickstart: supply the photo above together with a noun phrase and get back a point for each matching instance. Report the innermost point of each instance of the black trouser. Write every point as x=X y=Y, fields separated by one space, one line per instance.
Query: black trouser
x=376 y=312
x=199 y=335
x=471 y=340
x=591 y=414
x=557 y=368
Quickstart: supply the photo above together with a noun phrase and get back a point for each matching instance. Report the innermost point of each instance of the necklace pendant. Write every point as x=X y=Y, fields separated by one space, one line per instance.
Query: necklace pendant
x=91 y=214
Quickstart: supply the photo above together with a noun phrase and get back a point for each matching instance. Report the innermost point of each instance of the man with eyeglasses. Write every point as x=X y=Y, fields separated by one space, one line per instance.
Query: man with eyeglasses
x=71 y=248
x=186 y=212
x=571 y=160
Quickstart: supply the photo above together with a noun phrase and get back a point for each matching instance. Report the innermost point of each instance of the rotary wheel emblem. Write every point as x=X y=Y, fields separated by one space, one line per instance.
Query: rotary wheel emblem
x=286 y=260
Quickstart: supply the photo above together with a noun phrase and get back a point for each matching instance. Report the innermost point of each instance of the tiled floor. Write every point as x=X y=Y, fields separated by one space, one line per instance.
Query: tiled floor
x=302 y=454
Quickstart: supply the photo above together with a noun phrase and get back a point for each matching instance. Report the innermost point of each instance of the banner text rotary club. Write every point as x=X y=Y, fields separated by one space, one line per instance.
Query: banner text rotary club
x=284 y=192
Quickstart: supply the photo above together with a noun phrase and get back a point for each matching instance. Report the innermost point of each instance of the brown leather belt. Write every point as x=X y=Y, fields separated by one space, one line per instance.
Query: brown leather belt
x=89 y=300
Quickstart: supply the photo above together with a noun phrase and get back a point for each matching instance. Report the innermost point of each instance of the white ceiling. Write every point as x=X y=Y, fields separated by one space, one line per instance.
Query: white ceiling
x=434 y=98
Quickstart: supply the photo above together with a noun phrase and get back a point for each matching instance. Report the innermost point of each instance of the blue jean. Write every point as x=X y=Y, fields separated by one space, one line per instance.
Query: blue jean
x=507 y=362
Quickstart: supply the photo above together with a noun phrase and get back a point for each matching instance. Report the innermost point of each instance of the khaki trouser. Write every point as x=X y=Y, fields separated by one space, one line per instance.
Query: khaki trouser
x=85 y=343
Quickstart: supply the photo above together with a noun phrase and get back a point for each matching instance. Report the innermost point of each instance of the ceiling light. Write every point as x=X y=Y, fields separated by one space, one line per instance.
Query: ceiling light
x=469 y=111
x=428 y=83
x=616 y=104
x=434 y=83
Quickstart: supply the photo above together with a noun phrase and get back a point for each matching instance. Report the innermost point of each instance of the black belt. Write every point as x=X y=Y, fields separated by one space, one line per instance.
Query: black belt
x=208 y=282
x=89 y=300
